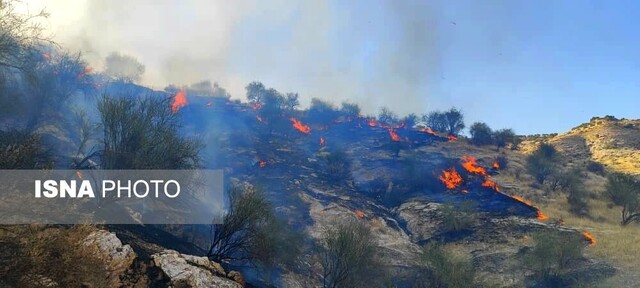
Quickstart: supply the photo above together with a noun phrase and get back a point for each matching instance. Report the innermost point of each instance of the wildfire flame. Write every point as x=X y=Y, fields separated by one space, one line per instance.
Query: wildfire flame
x=299 y=126
x=452 y=138
x=360 y=214
x=179 y=101
x=496 y=165
x=541 y=216
x=429 y=131
x=450 y=178
x=262 y=164
x=590 y=238
x=372 y=122
x=321 y=141
x=46 y=56
x=394 y=135
x=256 y=106
x=470 y=164
x=259 y=118
x=79 y=174
x=490 y=184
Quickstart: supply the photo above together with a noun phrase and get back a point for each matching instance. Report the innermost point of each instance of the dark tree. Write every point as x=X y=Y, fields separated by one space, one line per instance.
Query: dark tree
x=251 y=232
x=624 y=191
x=542 y=163
x=21 y=36
x=387 y=116
x=291 y=101
x=142 y=133
x=436 y=121
x=322 y=111
x=451 y=121
x=504 y=136
x=410 y=120
x=481 y=134
x=350 y=110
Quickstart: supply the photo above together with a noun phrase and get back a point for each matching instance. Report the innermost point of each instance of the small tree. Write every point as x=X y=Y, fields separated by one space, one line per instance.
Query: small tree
x=551 y=255
x=410 y=120
x=251 y=232
x=322 y=111
x=350 y=109
x=481 y=134
x=624 y=191
x=387 y=116
x=542 y=163
x=142 y=133
x=435 y=120
x=348 y=256
x=291 y=101
x=123 y=67
x=503 y=136
x=20 y=35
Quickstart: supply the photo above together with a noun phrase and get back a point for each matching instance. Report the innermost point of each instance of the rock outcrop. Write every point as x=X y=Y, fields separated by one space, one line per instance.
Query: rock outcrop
x=117 y=257
x=192 y=271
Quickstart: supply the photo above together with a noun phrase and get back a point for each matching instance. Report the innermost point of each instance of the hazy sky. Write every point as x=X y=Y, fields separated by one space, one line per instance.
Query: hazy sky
x=535 y=66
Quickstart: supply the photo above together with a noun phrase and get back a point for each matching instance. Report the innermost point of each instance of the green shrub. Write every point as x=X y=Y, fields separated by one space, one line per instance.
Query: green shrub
x=542 y=163
x=481 y=134
x=624 y=191
x=442 y=269
x=550 y=256
x=337 y=165
x=458 y=218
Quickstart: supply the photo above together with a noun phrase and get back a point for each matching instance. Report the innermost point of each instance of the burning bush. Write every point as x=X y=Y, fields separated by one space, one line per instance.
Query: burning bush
x=443 y=269
x=624 y=191
x=348 y=256
x=501 y=162
x=23 y=150
x=549 y=258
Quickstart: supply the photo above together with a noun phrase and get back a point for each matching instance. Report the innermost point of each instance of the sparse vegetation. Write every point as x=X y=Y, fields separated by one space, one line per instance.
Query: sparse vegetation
x=503 y=137
x=251 y=232
x=336 y=165
x=624 y=191
x=131 y=132
x=542 y=163
x=348 y=256
x=455 y=219
x=22 y=150
x=444 y=269
x=551 y=255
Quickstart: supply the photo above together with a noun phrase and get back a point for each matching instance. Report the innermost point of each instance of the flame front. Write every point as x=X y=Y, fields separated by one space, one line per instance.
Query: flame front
x=262 y=164
x=179 y=101
x=590 y=238
x=490 y=184
x=299 y=126
x=372 y=122
x=360 y=214
x=429 y=131
x=470 y=164
x=452 y=137
x=79 y=174
x=496 y=165
x=451 y=178
x=394 y=135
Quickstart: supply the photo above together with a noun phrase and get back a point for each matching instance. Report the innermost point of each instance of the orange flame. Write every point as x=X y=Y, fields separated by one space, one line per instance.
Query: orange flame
x=590 y=238
x=496 y=165
x=179 y=101
x=359 y=213
x=394 y=135
x=299 y=126
x=262 y=164
x=469 y=163
x=491 y=184
x=46 y=56
x=429 y=131
x=372 y=122
x=321 y=141
x=450 y=178
x=452 y=138
x=541 y=216
x=79 y=174
x=256 y=106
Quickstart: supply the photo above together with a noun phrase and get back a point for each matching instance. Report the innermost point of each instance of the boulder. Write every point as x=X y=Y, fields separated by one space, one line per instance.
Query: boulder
x=117 y=257
x=191 y=271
